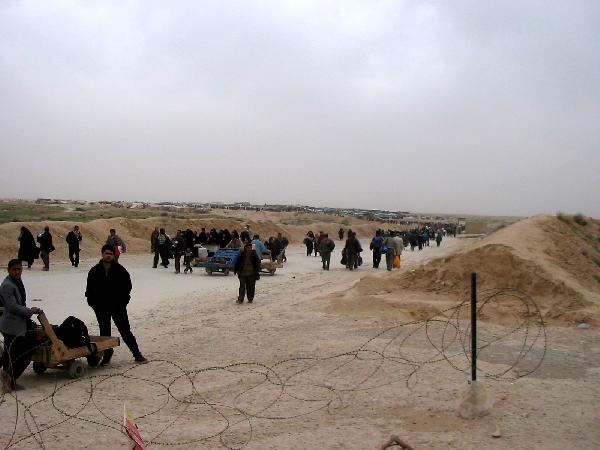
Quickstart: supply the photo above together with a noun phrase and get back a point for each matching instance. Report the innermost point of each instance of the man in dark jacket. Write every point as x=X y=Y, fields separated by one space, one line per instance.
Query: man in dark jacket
x=153 y=237
x=178 y=250
x=376 y=245
x=353 y=250
x=326 y=247
x=46 y=247
x=107 y=292
x=73 y=239
x=247 y=268
x=245 y=234
x=19 y=343
x=162 y=248
x=202 y=237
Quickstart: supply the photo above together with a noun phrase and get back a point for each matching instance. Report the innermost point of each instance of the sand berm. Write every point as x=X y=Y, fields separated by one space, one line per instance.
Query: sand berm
x=555 y=262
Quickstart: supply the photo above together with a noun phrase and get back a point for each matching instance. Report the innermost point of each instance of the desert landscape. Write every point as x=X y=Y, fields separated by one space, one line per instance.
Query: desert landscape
x=464 y=132
x=334 y=359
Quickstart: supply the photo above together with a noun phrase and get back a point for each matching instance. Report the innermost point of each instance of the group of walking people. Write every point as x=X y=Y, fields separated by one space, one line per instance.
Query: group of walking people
x=322 y=244
x=388 y=243
x=29 y=251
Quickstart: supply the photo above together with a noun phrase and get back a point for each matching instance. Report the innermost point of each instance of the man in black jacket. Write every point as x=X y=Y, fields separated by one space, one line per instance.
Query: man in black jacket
x=107 y=292
x=46 y=247
x=247 y=268
x=353 y=250
x=162 y=244
x=73 y=239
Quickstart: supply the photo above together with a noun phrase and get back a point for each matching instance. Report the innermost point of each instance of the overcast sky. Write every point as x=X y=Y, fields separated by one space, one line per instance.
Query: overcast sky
x=450 y=106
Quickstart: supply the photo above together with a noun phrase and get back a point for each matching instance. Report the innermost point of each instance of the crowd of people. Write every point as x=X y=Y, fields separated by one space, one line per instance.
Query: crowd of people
x=109 y=283
x=388 y=243
x=186 y=243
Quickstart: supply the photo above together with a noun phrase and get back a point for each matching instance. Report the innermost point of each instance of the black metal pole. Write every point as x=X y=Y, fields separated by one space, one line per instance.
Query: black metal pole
x=473 y=326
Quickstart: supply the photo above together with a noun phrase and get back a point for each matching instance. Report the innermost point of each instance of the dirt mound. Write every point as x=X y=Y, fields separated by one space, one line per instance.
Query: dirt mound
x=555 y=262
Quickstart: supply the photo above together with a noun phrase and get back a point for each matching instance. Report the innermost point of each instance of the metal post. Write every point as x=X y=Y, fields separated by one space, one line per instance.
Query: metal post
x=473 y=326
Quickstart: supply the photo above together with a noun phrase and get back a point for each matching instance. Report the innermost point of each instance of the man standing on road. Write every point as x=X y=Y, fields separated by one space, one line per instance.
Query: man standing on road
x=394 y=245
x=245 y=234
x=376 y=245
x=247 y=268
x=353 y=249
x=116 y=243
x=46 y=247
x=19 y=345
x=73 y=239
x=162 y=248
x=107 y=291
x=178 y=250
x=153 y=237
x=327 y=246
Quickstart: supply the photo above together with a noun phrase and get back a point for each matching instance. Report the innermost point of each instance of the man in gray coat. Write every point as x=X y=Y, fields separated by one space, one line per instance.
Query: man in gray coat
x=19 y=344
x=394 y=245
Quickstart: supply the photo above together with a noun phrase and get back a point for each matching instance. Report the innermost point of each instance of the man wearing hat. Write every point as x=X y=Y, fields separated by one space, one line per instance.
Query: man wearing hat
x=247 y=267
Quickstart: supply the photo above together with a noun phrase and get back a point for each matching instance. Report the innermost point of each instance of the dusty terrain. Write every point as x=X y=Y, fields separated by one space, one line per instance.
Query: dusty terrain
x=334 y=359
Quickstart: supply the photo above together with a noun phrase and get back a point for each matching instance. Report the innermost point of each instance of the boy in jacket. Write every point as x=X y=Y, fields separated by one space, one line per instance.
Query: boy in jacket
x=19 y=345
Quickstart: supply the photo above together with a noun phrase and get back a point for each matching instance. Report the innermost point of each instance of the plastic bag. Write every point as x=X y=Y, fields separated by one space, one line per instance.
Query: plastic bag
x=397 y=262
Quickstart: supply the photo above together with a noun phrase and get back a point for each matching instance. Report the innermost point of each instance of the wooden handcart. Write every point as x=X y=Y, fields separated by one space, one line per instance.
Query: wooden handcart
x=270 y=266
x=56 y=355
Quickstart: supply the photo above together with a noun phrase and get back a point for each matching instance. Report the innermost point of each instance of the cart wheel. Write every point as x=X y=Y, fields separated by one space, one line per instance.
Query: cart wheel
x=93 y=360
x=226 y=272
x=76 y=369
x=39 y=368
x=209 y=271
x=272 y=271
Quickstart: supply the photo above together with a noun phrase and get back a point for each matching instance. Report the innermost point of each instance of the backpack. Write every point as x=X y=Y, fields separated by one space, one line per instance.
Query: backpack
x=74 y=333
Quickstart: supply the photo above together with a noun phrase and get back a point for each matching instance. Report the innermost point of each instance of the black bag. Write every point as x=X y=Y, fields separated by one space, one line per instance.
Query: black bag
x=74 y=333
x=359 y=262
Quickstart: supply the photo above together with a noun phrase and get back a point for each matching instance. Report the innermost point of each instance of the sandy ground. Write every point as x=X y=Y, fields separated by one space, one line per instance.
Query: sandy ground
x=294 y=370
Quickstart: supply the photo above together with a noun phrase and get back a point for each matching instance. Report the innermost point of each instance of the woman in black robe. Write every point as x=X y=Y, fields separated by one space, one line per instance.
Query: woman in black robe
x=28 y=251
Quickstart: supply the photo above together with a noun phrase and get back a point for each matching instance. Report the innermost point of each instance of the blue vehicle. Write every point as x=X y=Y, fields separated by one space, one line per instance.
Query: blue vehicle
x=223 y=260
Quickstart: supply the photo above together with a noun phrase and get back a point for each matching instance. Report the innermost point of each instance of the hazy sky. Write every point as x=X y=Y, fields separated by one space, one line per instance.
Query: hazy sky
x=447 y=106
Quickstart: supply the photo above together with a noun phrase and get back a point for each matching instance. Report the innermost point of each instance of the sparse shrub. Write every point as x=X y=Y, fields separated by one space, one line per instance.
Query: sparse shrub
x=164 y=214
x=580 y=220
x=584 y=252
x=562 y=217
x=597 y=277
x=347 y=222
x=79 y=208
